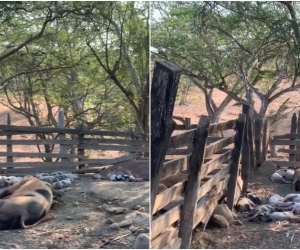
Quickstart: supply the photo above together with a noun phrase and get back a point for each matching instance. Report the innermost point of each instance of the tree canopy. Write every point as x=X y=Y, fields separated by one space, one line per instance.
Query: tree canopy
x=88 y=58
x=241 y=48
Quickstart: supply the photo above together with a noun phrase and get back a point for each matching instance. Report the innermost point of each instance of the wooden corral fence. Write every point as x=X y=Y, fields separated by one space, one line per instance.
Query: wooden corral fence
x=212 y=164
x=134 y=144
x=293 y=141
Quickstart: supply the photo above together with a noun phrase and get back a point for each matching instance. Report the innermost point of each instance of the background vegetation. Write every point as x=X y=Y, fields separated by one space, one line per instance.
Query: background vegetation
x=90 y=59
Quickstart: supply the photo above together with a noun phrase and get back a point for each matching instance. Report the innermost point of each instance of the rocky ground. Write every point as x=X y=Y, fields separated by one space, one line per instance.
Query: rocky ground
x=92 y=214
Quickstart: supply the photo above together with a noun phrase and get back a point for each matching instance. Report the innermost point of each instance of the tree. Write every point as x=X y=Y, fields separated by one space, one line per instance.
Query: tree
x=241 y=48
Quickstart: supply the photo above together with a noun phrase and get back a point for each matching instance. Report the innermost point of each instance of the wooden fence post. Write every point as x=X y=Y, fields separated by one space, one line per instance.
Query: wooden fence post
x=235 y=159
x=165 y=81
x=187 y=123
x=251 y=139
x=246 y=149
x=294 y=125
x=258 y=139
x=193 y=182
x=80 y=151
x=266 y=139
x=9 y=145
x=63 y=148
x=298 y=129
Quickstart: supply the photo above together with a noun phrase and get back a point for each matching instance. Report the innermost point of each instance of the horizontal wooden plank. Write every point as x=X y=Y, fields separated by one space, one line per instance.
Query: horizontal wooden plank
x=165 y=237
x=31 y=168
x=175 y=166
x=181 y=140
x=165 y=221
x=284 y=142
x=114 y=160
x=215 y=163
x=207 y=186
x=168 y=196
x=183 y=127
x=70 y=164
x=212 y=139
x=218 y=145
x=221 y=126
x=114 y=148
x=290 y=164
x=179 y=151
x=40 y=155
x=289 y=151
x=75 y=142
x=286 y=136
x=207 y=205
x=39 y=142
x=44 y=130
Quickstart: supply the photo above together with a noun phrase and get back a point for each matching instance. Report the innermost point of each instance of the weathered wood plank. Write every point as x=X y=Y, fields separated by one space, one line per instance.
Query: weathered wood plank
x=235 y=160
x=181 y=140
x=215 y=163
x=33 y=169
x=285 y=142
x=221 y=126
x=245 y=162
x=266 y=139
x=175 y=166
x=165 y=221
x=165 y=81
x=114 y=148
x=205 y=204
x=289 y=151
x=37 y=130
x=214 y=202
x=286 y=136
x=258 y=137
x=87 y=141
x=115 y=160
x=251 y=140
x=164 y=238
x=218 y=145
x=298 y=131
x=80 y=151
x=208 y=186
x=63 y=148
x=193 y=182
x=294 y=126
x=40 y=155
x=66 y=164
x=9 y=148
x=289 y=164
x=168 y=195
x=179 y=151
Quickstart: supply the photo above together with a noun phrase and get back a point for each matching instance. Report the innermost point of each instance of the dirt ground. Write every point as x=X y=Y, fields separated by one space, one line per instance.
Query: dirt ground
x=251 y=235
x=82 y=220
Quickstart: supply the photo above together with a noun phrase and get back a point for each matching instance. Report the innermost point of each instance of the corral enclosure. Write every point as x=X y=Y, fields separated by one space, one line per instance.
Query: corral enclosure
x=68 y=148
x=85 y=223
x=212 y=162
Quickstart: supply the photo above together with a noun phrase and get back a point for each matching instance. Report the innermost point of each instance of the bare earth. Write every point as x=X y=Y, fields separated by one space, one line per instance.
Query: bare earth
x=81 y=221
x=251 y=235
